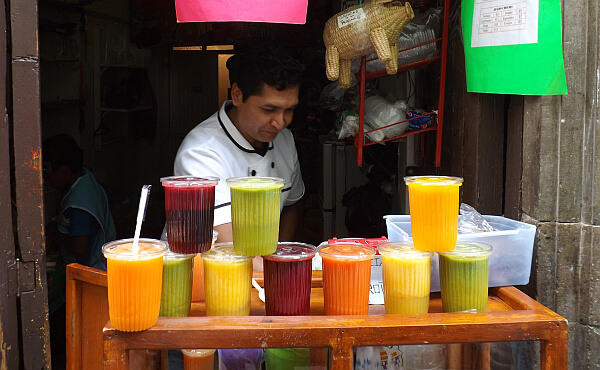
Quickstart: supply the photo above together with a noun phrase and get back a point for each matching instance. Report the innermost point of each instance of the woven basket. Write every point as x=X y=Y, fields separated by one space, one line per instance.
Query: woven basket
x=376 y=27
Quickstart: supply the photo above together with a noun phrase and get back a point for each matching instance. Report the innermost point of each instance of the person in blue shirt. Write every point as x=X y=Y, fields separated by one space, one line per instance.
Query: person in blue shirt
x=84 y=222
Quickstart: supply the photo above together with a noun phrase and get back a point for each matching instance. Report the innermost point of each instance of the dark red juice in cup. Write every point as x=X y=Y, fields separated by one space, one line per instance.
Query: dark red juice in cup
x=189 y=207
x=288 y=277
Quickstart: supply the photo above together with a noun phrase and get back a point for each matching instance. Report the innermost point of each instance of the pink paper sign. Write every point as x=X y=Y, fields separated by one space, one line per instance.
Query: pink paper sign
x=270 y=11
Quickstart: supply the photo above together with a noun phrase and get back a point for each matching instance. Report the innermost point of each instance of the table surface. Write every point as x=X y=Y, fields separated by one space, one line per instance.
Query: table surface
x=511 y=316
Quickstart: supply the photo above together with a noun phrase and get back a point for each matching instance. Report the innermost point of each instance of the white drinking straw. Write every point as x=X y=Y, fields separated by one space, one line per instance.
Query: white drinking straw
x=140 y=215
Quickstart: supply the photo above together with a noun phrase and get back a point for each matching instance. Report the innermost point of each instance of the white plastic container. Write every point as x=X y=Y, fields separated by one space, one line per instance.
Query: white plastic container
x=512 y=243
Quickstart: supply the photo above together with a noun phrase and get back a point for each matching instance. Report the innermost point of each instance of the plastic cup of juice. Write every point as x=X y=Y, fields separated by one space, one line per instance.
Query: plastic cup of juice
x=227 y=281
x=287 y=358
x=288 y=279
x=406 y=277
x=134 y=282
x=240 y=359
x=346 y=277
x=176 y=296
x=464 y=274
x=433 y=203
x=198 y=359
x=190 y=210
x=198 y=283
x=255 y=210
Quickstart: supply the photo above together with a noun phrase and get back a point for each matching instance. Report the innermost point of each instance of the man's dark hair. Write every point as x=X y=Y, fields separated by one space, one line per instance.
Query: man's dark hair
x=62 y=150
x=270 y=63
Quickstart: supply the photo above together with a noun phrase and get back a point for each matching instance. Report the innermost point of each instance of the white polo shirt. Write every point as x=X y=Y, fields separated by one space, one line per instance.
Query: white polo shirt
x=216 y=148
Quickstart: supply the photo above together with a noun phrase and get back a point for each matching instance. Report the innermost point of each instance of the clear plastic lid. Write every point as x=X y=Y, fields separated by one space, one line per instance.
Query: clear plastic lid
x=123 y=249
x=255 y=182
x=402 y=250
x=433 y=180
x=225 y=252
x=292 y=251
x=469 y=249
x=198 y=352
x=176 y=256
x=176 y=181
x=347 y=251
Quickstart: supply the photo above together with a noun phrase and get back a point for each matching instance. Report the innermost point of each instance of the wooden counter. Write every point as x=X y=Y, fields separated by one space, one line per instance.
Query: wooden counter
x=511 y=316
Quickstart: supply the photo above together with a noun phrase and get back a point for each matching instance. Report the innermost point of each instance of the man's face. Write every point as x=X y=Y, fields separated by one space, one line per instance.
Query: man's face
x=260 y=118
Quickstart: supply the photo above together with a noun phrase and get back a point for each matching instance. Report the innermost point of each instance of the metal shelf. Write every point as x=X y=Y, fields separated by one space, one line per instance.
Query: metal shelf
x=437 y=116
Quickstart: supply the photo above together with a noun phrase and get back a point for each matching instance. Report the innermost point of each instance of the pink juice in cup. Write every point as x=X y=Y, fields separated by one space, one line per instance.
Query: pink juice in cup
x=189 y=207
x=288 y=278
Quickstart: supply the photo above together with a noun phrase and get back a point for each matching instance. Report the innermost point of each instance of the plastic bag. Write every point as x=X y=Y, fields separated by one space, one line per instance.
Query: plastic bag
x=424 y=27
x=417 y=123
x=331 y=97
x=349 y=126
x=472 y=221
x=380 y=112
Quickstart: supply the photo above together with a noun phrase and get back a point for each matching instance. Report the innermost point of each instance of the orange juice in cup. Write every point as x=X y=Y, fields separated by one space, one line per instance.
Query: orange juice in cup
x=227 y=281
x=346 y=277
x=134 y=282
x=198 y=359
x=198 y=277
x=433 y=203
x=406 y=277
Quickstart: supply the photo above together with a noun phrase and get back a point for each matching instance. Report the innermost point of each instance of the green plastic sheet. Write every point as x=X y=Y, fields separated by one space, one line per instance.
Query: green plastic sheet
x=524 y=56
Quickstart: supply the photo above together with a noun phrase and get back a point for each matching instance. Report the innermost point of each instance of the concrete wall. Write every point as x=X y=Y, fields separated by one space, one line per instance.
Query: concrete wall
x=549 y=171
x=561 y=187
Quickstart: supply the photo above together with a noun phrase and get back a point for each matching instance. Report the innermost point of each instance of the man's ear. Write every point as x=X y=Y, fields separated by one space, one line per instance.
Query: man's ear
x=236 y=94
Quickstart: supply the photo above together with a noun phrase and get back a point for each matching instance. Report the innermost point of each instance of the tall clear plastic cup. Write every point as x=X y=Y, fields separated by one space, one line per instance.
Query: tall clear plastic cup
x=198 y=359
x=406 y=277
x=288 y=279
x=134 y=282
x=240 y=359
x=227 y=281
x=255 y=211
x=464 y=274
x=346 y=277
x=189 y=207
x=176 y=296
x=433 y=203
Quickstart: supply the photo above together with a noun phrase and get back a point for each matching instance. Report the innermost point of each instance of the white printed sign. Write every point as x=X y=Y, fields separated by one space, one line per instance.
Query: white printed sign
x=505 y=22
x=353 y=16
x=376 y=293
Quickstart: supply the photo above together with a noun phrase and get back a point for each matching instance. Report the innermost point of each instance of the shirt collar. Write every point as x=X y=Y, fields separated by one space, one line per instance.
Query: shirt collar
x=234 y=134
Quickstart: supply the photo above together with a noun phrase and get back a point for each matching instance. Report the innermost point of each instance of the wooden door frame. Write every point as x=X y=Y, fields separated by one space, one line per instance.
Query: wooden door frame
x=23 y=282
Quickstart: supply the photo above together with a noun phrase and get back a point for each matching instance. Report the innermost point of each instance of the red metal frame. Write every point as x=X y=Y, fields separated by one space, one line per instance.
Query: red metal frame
x=362 y=76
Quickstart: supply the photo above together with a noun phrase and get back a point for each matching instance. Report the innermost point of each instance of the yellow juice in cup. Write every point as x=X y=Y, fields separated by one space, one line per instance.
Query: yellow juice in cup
x=406 y=277
x=433 y=203
x=227 y=281
x=134 y=283
x=255 y=211
x=464 y=274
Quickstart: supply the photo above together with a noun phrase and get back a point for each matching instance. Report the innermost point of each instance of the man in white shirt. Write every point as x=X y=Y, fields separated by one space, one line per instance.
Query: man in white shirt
x=248 y=136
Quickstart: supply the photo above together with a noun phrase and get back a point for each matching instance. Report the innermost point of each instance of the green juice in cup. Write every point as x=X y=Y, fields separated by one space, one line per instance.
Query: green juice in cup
x=255 y=210
x=464 y=274
x=176 y=296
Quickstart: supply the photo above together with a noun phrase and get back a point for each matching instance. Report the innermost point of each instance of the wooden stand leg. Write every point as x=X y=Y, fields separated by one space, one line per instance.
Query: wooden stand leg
x=318 y=358
x=485 y=356
x=454 y=351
